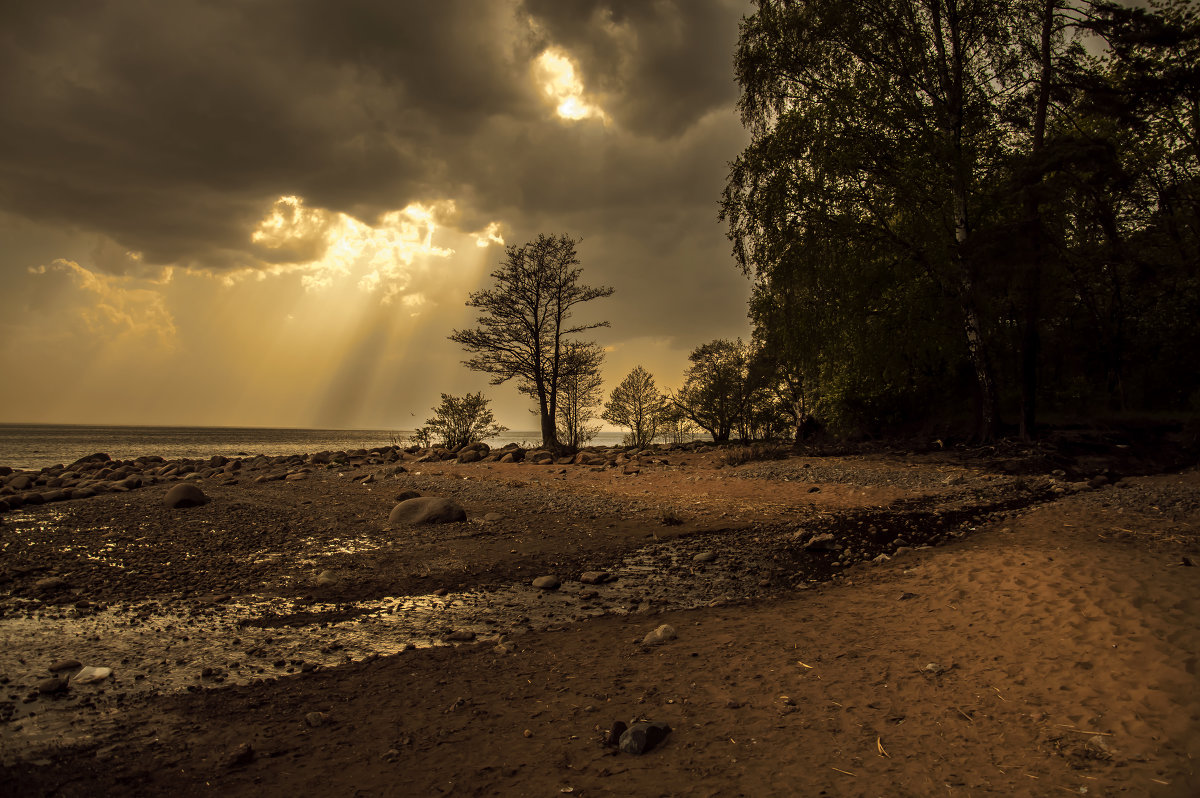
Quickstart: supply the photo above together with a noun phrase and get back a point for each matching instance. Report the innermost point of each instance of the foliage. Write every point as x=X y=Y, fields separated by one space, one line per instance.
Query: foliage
x=637 y=404
x=580 y=394
x=677 y=427
x=755 y=452
x=461 y=420
x=950 y=209
x=525 y=327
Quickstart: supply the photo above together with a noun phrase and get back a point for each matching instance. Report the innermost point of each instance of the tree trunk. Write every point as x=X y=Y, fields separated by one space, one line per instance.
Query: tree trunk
x=1031 y=283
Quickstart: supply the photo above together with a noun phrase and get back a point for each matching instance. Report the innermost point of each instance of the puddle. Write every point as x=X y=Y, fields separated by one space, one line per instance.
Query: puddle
x=161 y=646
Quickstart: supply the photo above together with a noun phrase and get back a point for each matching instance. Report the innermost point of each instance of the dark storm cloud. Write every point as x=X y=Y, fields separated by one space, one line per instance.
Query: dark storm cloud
x=665 y=63
x=171 y=127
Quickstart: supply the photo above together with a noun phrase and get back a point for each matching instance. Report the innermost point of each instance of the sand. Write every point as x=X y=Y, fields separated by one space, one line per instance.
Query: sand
x=1041 y=651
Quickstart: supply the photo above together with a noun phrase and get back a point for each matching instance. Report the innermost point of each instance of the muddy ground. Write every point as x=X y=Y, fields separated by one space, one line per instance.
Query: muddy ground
x=885 y=623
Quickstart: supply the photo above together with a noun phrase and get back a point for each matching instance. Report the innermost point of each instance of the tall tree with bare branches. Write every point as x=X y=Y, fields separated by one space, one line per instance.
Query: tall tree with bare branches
x=525 y=326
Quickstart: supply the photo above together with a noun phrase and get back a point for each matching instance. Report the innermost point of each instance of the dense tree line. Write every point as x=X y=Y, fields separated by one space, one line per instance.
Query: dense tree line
x=969 y=209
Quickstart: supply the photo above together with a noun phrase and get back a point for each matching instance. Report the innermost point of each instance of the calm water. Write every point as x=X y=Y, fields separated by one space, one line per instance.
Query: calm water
x=38 y=445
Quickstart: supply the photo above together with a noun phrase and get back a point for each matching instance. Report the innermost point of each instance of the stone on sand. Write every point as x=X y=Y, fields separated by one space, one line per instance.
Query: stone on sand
x=548 y=582
x=184 y=495
x=660 y=635
x=427 y=510
x=91 y=673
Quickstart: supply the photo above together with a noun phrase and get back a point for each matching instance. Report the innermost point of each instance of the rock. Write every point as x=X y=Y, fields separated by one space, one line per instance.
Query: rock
x=470 y=456
x=642 y=737
x=405 y=495
x=65 y=665
x=427 y=510
x=51 y=685
x=461 y=636
x=548 y=582
x=508 y=458
x=49 y=584
x=594 y=577
x=631 y=470
x=705 y=556
x=493 y=517
x=660 y=635
x=20 y=483
x=315 y=719
x=240 y=756
x=823 y=542
x=184 y=495
x=614 y=734
x=326 y=578
x=880 y=559
x=89 y=674
x=814 y=489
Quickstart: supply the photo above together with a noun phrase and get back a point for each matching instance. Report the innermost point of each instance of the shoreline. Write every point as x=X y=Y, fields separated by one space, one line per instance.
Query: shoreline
x=884 y=561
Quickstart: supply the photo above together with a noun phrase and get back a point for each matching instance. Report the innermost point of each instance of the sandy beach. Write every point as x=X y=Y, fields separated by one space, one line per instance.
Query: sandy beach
x=874 y=623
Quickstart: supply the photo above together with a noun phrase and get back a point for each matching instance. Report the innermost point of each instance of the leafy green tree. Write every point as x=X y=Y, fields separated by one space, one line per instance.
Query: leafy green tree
x=525 y=323
x=717 y=392
x=460 y=421
x=871 y=122
x=637 y=405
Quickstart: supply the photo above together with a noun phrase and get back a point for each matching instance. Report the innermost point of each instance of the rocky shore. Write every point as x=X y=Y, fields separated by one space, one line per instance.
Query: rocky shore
x=211 y=601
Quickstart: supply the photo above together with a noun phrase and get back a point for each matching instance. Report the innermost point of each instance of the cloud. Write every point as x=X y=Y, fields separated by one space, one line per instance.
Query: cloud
x=211 y=168
x=168 y=127
x=114 y=308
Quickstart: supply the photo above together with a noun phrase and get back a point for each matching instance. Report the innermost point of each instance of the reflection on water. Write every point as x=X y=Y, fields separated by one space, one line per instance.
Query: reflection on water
x=158 y=646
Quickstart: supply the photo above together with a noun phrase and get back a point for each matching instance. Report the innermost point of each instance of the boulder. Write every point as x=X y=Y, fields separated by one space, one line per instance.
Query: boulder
x=470 y=456
x=184 y=495
x=427 y=510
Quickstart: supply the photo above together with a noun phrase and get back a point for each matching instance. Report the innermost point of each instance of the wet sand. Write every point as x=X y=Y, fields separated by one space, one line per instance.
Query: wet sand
x=1019 y=640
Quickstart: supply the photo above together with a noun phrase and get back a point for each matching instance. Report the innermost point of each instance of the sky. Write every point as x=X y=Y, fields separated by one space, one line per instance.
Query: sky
x=272 y=212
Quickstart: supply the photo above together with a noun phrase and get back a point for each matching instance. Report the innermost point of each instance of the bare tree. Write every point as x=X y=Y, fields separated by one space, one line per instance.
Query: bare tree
x=579 y=394
x=637 y=404
x=524 y=326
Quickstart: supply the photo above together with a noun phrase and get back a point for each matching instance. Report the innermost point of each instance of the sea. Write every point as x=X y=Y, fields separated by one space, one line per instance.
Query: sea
x=34 y=446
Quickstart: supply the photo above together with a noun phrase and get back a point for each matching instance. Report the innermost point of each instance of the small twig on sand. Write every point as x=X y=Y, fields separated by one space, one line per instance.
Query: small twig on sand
x=965 y=715
x=839 y=770
x=1081 y=731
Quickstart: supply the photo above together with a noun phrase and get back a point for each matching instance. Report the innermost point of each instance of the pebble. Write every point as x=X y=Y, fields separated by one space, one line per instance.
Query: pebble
x=65 y=665
x=642 y=737
x=50 y=583
x=242 y=755
x=90 y=673
x=705 y=556
x=51 y=685
x=326 y=578
x=660 y=635
x=315 y=719
x=461 y=636
x=594 y=577
x=548 y=582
